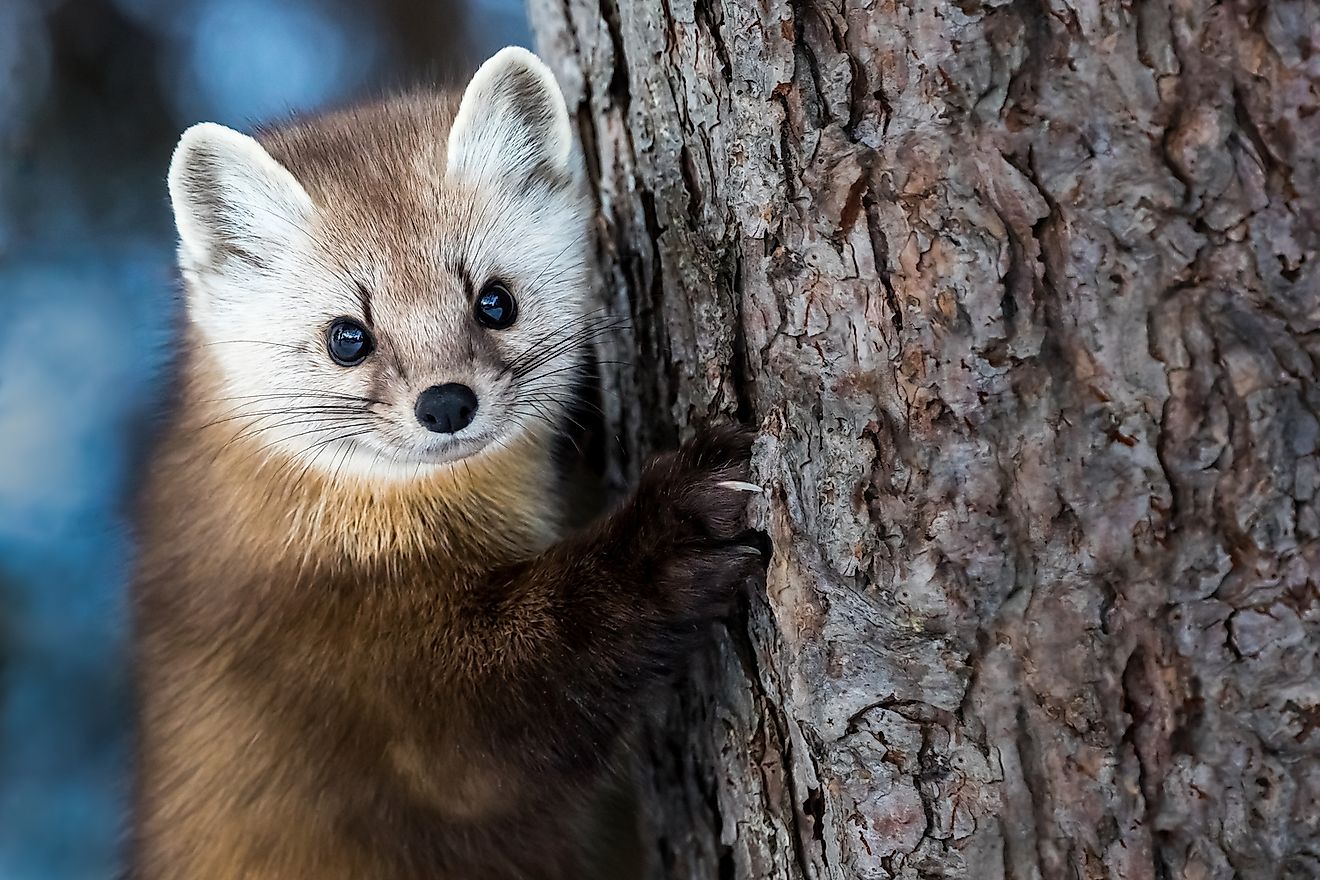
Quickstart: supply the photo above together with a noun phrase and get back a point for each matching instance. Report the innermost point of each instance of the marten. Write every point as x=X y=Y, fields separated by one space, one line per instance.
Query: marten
x=367 y=645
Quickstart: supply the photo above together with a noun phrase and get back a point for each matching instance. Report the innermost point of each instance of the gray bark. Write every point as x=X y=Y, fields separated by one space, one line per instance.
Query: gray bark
x=1024 y=298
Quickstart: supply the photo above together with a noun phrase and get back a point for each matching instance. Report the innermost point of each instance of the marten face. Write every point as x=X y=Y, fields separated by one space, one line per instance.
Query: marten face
x=397 y=287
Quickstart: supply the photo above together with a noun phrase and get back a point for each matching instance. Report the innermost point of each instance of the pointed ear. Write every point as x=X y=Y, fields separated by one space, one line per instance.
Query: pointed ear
x=512 y=123
x=232 y=201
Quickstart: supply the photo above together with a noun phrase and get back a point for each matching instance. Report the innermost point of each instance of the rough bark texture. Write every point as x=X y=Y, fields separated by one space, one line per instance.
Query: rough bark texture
x=1024 y=298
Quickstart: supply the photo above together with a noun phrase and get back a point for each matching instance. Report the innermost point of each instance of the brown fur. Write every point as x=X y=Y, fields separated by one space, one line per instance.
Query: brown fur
x=342 y=679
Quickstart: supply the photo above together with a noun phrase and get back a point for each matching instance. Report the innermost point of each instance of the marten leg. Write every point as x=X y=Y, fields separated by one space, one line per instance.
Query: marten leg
x=558 y=647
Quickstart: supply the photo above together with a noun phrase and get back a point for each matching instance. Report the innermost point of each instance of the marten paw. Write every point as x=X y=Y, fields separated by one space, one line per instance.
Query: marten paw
x=694 y=504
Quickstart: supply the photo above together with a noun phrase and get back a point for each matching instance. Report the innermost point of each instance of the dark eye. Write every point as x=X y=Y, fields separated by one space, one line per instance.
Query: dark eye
x=348 y=342
x=496 y=307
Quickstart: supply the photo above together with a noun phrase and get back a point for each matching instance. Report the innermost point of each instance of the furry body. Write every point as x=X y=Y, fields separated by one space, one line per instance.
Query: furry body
x=375 y=654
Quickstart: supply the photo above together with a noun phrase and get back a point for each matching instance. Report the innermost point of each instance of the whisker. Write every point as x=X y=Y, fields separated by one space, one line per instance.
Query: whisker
x=583 y=365
x=324 y=423
x=298 y=348
x=577 y=241
x=293 y=393
x=260 y=414
x=577 y=339
x=550 y=333
x=319 y=430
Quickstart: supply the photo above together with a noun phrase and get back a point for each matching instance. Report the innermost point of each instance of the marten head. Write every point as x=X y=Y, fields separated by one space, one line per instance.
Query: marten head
x=395 y=287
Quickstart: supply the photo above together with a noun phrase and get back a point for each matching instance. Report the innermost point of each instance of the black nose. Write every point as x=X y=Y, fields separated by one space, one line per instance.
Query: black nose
x=446 y=408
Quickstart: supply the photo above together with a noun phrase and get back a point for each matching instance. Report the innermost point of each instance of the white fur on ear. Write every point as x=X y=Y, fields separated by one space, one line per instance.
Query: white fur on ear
x=511 y=122
x=232 y=200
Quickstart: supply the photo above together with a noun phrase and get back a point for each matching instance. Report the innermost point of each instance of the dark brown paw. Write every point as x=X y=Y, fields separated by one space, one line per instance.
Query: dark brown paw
x=689 y=491
x=694 y=502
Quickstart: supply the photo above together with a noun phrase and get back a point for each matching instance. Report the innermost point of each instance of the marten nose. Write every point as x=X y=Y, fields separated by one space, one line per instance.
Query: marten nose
x=446 y=408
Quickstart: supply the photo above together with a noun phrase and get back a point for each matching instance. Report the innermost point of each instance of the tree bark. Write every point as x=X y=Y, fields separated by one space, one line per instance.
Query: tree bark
x=1023 y=296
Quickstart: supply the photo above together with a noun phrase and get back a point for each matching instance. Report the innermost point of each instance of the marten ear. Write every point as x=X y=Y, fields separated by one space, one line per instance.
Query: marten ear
x=232 y=201
x=512 y=123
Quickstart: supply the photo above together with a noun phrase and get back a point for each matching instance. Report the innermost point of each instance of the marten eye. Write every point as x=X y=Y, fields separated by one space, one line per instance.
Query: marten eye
x=348 y=342
x=496 y=307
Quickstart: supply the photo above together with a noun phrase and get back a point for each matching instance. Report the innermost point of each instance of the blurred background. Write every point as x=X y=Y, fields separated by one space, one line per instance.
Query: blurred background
x=93 y=95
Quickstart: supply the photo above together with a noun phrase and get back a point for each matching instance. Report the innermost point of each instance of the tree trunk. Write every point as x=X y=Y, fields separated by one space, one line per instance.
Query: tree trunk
x=1023 y=296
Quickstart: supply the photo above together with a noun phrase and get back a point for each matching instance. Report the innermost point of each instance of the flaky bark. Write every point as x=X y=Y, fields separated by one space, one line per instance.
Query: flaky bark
x=1024 y=298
